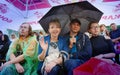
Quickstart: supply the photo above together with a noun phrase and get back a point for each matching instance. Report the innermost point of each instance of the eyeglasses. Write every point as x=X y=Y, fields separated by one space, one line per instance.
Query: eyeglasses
x=94 y=27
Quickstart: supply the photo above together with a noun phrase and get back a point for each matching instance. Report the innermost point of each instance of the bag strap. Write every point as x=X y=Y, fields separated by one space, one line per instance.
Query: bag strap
x=64 y=54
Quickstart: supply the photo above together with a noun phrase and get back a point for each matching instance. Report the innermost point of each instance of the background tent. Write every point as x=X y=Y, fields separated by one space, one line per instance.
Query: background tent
x=11 y=16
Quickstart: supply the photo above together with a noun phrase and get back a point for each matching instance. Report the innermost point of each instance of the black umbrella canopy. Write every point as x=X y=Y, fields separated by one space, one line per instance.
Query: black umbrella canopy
x=83 y=11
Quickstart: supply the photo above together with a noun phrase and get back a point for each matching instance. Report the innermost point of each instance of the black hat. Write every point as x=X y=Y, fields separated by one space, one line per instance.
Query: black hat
x=75 y=21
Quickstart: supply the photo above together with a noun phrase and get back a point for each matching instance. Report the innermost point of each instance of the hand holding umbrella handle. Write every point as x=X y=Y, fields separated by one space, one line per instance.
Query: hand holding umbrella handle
x=72 y=41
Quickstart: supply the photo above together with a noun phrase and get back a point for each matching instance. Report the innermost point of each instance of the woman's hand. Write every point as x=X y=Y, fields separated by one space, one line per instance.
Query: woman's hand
x=108 y=61
x=49 y=66
x=43 y=44
x=102 y=57
x=99 y=56
x=19 y=68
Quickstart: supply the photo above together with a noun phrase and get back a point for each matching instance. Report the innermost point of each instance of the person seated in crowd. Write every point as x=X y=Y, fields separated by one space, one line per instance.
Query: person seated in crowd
x=115 y=36
x=41 y=34
x=13 y=37
x=4 y=47
x=1 y=33
x=36 y=35
x=50 y=48
x=104 y=32
x=114 y=33
x=88 y=34
x=102 y=48
x=22 y=54
x=80 y=49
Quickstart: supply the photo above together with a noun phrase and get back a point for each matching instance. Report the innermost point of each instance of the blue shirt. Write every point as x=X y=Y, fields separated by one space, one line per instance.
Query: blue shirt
x=115 y=34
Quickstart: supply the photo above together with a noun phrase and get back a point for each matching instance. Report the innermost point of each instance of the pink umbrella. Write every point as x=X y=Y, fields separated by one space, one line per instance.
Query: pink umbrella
x=30 y=4
x=15 y=12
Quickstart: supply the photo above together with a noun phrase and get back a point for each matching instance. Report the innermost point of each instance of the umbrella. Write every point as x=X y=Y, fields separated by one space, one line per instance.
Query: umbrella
x=14 y=12
x=29 y=4
x=84 y=11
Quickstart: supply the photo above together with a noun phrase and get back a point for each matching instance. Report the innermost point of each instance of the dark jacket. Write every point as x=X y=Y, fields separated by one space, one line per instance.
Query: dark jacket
x=101 y=45
x=6 y=43
x=83 y=45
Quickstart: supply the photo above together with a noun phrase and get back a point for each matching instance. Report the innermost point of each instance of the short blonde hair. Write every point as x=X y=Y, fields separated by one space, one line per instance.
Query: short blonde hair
x=56 y=21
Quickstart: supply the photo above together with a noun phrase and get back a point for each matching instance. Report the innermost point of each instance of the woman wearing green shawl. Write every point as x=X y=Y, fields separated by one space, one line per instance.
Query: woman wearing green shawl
x=22 y=54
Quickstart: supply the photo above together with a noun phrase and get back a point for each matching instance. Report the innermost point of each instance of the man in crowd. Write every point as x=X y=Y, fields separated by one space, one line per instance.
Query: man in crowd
x=22 y=54
x=80 y=49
